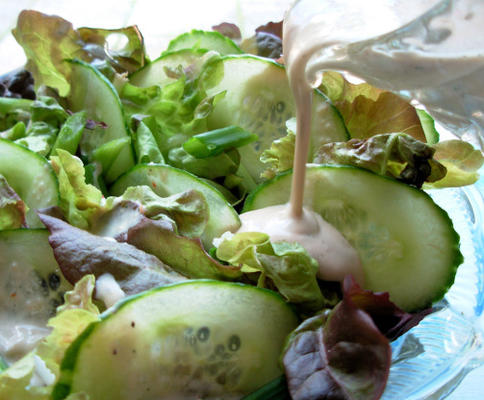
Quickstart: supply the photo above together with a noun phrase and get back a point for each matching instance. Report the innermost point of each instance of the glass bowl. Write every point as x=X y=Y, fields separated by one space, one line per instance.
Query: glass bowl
x=432 y=359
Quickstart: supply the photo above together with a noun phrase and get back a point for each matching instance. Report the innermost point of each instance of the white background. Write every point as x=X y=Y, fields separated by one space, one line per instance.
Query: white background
x=159 y=21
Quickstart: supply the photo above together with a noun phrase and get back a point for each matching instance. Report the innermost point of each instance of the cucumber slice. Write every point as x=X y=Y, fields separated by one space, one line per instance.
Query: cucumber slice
x=199 y=339
x=407 y=243
x=165 y=180
x=32 y=286
x=258 y=98
x=31 y=176
x=92 y=91
x=209 y=40
x=154 y=73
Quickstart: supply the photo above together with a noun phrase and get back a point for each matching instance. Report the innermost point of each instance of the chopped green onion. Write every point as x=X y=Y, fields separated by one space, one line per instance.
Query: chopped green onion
x=214 y=142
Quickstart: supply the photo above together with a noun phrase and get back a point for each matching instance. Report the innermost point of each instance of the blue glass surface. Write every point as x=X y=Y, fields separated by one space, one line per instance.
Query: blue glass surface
x=432 y=359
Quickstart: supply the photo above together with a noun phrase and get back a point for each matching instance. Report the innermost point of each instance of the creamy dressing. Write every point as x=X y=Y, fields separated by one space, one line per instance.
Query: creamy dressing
x=108 y=290
x=24 y=312
x=428 y=51
x=321 y=240
x=18 y=336
x=293 y=222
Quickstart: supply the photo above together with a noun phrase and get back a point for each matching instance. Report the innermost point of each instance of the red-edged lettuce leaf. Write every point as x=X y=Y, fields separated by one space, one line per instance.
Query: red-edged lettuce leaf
x=81 y=253
x=274 y=28
x=368 y=111
x=390 y=319
x=267 y=41
x=183 y=254
x=345 y=353
x=339 y=354
x=12 y=208
x=126 y=58
x=397 y=155
x=49 y=40
x=228 y=29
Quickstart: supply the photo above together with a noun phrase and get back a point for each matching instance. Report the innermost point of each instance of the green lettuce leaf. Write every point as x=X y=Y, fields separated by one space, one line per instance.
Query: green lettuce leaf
x=47 y=109
x=84 y=206
x=291 y=269
x=280 y=156
x=221 y=165
x=368 y=111
x=12 y=208
x=78 y=200
x=33 y=124
x=241 y=250
x=188 y=210
x=462 y=162
x=13 y=111
x=21 y=380
x=15 y=381
x=175 y=111
x=81 y=296
x=397 y=155
x=40 y=137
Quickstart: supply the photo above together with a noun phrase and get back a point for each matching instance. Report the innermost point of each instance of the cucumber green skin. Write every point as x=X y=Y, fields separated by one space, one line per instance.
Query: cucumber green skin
x=165 y=180
x=260 y=317
x=209 y=40
x=154 y=72
x=92 y=91
x=32 y=178
x=407 y=244
x=258 y=98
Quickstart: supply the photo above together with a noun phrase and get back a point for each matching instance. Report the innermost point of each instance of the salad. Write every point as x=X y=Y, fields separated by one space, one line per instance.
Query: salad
x=122 y=179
